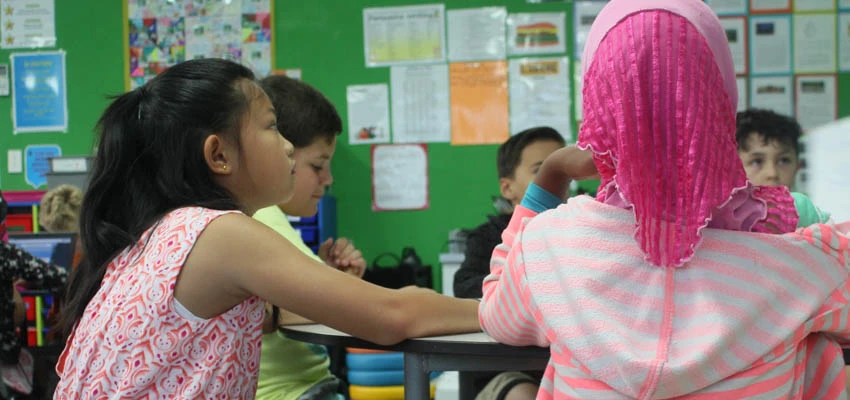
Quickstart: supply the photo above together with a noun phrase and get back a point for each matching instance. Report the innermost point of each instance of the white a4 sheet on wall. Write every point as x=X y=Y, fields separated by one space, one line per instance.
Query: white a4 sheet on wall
x=27 y=24
x=420 y=103
x=844 y=41
x=585 y=13
x=736 y=35
x=817 y=101
x=537 y=33
x=368 y=114
x=814 y=5
x=399 y=177
x=404 y=35
x=770 y=44
x=773 y=93
x=728 y=7
x=477 y=34
x=540 y=94
x=814 y=43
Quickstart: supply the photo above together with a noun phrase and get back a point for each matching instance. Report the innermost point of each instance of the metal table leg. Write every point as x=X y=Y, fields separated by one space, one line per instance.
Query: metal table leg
x=417 y=386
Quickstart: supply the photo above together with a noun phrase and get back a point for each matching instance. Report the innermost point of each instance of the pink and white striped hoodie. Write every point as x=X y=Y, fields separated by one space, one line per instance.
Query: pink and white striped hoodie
x=751 y=315
x=639 y=293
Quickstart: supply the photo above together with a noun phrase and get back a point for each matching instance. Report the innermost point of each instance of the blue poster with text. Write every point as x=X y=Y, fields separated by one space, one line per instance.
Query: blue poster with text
x=39 y=100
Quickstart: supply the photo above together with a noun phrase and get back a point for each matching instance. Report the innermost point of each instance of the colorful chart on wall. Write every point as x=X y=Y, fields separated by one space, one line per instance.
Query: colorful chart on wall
x=159 y=34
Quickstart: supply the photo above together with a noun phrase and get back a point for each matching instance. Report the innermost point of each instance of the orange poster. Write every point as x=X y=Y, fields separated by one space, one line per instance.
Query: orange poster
x=479 y=100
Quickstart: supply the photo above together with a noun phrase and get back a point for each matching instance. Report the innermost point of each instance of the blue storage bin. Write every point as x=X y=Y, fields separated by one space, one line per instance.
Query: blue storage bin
x=375 y=362
x=379 y=378
x=303 y=220
x=310 y=234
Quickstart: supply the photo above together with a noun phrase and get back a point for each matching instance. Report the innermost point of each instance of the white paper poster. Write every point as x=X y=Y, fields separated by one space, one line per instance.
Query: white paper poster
x=817 y=101
x=827 y=148
x=368 y=114
x=844 y=41
x=770 y=44
x=728 y=7
x=399 y=177
x=773 y=93
x=536 y=33
x=420 y=103
x=578 y=81
x=814 y=5
x=770 y=5
x=27 y=24
x=477 y=34
x=736 y=34
x=743 y=93
x=4 y=80
x=814 y=43
x=404 y=35
x=540 y=94
x=585 y=13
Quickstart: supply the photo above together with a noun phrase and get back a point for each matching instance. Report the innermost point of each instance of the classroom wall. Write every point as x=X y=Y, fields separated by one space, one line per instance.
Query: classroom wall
x=90 y=33
x=324 y=39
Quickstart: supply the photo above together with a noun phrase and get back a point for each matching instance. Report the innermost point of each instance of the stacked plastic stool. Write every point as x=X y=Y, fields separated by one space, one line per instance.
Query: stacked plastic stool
x=376 y=375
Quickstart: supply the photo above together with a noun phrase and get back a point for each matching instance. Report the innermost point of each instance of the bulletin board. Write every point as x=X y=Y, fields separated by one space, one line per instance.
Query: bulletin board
x=159 y=34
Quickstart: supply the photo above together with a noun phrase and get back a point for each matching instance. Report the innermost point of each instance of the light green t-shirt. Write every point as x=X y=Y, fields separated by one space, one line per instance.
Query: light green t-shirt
x=808 y=212
x=288 y=367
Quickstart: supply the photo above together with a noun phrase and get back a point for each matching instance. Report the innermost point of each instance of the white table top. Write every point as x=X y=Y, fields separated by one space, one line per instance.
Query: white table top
x=478 y=343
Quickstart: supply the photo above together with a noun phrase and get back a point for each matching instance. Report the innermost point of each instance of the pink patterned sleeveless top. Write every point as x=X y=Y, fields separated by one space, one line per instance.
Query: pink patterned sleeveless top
x=131 y=343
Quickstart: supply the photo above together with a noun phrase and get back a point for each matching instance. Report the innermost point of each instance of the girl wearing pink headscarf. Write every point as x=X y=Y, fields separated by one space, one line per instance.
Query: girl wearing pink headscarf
x=673 y=281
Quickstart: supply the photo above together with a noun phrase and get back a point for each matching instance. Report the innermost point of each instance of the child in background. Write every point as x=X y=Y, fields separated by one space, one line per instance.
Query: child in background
x=517 y=162
x=661 y=287
x=60 y=212
x=291 y=369
x=60 y=209
x=769 y=146
x=168 y=301
x=18 y=265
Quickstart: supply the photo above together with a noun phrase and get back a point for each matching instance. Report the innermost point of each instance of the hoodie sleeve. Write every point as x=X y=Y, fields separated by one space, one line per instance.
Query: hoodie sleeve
x=506 y=312
x=833 y=317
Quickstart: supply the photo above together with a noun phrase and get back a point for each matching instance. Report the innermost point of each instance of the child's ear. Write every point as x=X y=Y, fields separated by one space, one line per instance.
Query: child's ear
x=217 y=154
x=506 y=187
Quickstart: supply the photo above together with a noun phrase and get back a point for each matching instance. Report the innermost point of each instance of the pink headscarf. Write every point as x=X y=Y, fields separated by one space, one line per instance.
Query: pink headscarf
x=659 y=105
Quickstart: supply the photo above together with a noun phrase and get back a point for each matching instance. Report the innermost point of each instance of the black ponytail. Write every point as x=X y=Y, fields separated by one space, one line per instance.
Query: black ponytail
x=149 y=162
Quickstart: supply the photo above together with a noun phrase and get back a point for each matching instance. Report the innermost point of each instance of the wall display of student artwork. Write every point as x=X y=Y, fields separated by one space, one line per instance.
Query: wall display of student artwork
x=786 y=61
x=160 y=34
x=537 y=33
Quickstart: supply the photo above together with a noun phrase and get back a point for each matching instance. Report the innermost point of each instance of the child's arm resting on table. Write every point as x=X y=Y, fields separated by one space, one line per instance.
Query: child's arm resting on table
x=237 y=257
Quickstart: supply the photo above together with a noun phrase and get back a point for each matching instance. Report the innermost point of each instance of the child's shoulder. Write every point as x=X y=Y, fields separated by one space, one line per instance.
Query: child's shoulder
x=188 y=219
x=833 y=239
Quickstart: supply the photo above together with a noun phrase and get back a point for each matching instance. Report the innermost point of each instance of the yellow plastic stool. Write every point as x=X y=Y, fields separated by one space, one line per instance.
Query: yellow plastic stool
x=380 y=392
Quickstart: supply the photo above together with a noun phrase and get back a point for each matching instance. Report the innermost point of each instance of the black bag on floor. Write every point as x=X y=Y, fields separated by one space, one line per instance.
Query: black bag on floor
x=399 y=271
